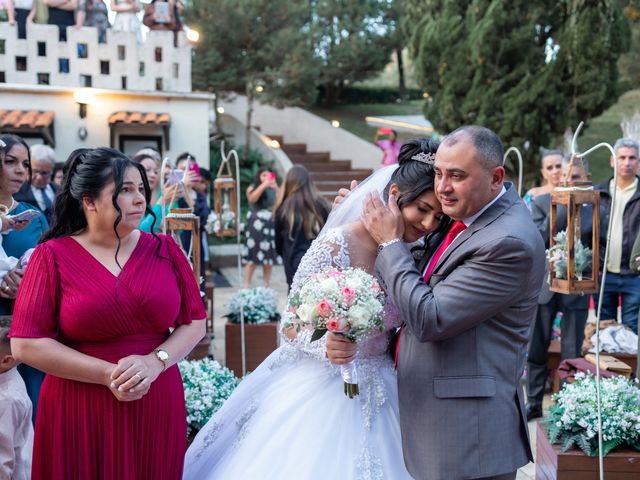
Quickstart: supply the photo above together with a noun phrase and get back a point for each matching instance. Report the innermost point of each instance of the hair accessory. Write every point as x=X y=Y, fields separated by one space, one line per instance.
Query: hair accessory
x=2 y=144
x=423 y=157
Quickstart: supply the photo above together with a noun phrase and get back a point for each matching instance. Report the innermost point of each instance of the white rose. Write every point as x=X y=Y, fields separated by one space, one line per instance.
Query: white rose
x=359 y=316
x=305 y=313
x=329 y=285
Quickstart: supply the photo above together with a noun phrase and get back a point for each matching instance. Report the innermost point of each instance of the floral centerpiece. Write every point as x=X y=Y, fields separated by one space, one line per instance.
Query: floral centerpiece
x=224 y=221
x=259 y=305
x=573 y=419
x=559 y=255
x=349 y=302
x=207 y=384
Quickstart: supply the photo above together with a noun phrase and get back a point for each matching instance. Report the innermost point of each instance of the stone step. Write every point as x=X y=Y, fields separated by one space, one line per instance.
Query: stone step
x=358 y=175
x=294 y=148
x=309 y=157
x=332 y=166
x=333 y=185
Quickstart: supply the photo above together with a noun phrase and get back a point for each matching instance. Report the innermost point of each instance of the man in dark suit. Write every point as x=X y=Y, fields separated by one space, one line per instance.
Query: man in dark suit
x=468 y=317
x=40 y=193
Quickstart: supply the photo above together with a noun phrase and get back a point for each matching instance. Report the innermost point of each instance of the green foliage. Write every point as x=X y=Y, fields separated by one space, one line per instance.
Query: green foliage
x=528 y=71
x=362 y=94
x=629 y=63
x=352 y=41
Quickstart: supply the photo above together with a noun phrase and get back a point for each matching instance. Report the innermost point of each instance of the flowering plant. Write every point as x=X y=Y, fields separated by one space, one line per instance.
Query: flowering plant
x=215 y=222
x=349 y=302
x=559 y=255
x=573 y=418
x=207 y=384
x=259 y=305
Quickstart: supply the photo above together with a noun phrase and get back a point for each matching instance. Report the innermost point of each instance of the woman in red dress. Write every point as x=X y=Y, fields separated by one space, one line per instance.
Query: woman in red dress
x=107 y=311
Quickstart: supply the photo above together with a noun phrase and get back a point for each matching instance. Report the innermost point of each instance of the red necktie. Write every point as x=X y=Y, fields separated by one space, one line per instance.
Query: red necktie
x=451 y=235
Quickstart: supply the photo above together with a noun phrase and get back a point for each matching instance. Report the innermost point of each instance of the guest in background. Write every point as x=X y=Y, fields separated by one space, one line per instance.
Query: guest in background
x=61 y=13
x=260 y=246
x=574 y=308
x=16 y=430
x=40 y=192
x=16 y=169
x=127 y=19
x=551 y=171
x=164 y=15
x=7 y=13
x=620 y=280
x=25 y=14
x=107 y=311
x=387 y=140
x=299 y=215
x=58 y=174
x=93 y=13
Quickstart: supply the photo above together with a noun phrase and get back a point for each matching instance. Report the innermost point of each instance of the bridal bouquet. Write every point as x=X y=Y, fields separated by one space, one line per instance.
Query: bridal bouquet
x=348 y=302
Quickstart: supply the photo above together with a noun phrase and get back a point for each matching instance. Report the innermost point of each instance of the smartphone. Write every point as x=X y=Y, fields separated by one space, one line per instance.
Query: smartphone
x=193 y=167
x=175 y=176
x=272 y=176
x=25 y=216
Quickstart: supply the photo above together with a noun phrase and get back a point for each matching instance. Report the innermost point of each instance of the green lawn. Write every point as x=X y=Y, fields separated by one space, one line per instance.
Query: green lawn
x=351 y=117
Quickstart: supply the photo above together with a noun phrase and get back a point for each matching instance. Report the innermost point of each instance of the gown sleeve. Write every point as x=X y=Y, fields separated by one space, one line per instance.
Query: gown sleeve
x=35 y=314
x=328 y=252
x=191 y=303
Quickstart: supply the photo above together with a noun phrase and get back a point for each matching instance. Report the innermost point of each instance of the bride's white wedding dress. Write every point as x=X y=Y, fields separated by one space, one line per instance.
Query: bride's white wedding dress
x=290 y=418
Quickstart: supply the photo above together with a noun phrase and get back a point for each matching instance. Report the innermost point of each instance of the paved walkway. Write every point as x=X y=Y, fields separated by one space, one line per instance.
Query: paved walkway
x=279 y=284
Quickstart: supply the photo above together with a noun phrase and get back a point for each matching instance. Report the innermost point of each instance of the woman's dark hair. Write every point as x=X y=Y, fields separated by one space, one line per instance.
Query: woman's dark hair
x=56 y=168
x=413 y=177
x=256 y=179
x=88 y=171
x=299 y=199
x=184 y=156
x=10 y=140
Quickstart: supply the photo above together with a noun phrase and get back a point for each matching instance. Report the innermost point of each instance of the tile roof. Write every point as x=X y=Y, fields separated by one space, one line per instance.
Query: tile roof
x=25 y=119
x=140 y=118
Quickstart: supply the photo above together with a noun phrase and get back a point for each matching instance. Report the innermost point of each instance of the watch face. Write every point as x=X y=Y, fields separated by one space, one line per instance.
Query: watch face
x=162 y=355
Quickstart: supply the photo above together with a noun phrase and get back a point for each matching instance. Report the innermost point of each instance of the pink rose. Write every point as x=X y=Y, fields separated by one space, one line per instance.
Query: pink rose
x=348 y=294
x=324 y=308
x=337 y=325
x=376 y=287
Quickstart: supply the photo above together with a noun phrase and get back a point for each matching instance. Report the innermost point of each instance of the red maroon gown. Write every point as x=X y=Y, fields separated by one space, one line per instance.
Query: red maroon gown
x=82 y=431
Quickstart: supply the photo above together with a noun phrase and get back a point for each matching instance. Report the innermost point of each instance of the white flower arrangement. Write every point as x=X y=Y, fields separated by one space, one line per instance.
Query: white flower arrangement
x=259 y=305
x=573 y=418
x=207 y=384
x=559 y=256
x=215 y=222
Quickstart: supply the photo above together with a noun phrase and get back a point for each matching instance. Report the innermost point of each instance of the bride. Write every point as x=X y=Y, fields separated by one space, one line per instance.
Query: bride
x=290 y=418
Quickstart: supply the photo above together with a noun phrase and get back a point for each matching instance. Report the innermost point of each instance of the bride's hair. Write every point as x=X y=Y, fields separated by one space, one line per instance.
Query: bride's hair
x=415 y=174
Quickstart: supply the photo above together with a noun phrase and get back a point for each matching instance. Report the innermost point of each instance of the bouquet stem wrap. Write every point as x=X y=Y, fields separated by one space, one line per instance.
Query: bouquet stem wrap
x=350 y=376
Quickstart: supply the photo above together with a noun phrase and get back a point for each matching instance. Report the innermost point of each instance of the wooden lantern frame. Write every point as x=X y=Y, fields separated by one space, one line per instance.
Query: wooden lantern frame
x=224 y=181
x=573 y=196
x=183 y=219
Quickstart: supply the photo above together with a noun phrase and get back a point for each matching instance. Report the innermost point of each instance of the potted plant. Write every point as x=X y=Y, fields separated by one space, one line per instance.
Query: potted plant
x=569 y=444
x=260 y=310
x=207 y=384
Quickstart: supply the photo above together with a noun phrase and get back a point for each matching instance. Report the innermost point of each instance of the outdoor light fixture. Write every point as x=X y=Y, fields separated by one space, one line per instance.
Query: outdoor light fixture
x=335 y=123
x=259 y=89
x=192 y=35
x=83 y=97
x=220 y=110
x=425 y=95
x=275 y=144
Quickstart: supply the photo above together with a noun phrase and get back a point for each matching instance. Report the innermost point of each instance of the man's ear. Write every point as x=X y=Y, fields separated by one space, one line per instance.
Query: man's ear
x=497 y=178
x=7 y=363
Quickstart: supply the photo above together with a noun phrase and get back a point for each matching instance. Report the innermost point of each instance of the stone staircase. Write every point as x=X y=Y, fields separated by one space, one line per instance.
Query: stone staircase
x=328 y=175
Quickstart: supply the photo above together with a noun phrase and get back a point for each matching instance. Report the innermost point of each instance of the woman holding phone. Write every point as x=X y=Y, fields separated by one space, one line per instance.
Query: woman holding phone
x=260 y=247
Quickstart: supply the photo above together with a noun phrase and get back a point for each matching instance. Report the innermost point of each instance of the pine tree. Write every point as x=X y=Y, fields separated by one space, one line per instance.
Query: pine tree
x=527 y=70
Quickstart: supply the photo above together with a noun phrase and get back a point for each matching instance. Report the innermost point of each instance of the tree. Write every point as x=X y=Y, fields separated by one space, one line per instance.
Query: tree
x=258 y=47
x=352 y=41
x=526 y=72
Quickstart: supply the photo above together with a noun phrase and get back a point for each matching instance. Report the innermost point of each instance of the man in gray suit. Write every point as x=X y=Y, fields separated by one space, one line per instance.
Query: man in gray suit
x=462 y=350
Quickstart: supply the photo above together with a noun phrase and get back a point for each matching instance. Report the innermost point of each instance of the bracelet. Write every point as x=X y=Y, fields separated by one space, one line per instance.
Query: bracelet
x=386 y=244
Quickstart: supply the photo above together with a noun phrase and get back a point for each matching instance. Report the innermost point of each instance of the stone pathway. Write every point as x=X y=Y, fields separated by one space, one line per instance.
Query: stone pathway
x=279 y=284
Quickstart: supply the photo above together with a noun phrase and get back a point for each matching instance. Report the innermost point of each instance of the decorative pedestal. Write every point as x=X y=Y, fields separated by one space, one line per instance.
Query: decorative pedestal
x=260 y=339
x=552 y=464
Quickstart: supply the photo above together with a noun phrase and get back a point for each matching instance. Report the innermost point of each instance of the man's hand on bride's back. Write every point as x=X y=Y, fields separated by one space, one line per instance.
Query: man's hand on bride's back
x=342 y=193
x=340 y=351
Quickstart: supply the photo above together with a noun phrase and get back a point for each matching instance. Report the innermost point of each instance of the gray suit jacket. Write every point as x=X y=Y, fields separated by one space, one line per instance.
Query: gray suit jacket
x=463 y=350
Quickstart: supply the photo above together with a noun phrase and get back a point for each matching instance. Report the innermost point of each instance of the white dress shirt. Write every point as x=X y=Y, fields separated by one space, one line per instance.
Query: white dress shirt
x=16 y=430
x=37 y=193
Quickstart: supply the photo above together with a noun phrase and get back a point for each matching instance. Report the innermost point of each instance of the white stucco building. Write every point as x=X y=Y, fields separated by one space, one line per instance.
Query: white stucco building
x=134 y=95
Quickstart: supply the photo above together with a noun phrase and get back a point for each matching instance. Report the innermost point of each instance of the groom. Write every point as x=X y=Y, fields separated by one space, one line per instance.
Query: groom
x=467 y=315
